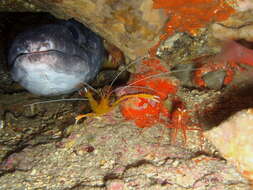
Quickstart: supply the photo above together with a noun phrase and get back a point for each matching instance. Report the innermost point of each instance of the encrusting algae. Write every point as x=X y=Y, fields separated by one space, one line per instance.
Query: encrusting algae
x=191 y=15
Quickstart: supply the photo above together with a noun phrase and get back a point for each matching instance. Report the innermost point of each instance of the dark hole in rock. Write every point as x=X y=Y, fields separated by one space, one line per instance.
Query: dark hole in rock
x=245 y=43
x=230 y=102
x=13 y=23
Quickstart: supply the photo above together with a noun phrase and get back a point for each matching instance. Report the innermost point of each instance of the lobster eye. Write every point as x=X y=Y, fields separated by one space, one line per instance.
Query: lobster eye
x=73 y=32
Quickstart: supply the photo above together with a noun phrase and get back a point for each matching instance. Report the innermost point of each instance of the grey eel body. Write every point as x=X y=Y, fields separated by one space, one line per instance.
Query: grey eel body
x=55 y=59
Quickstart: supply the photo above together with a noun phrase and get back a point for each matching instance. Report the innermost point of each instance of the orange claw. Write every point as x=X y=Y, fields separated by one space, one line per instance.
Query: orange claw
x=83 y=116
x=103 y=106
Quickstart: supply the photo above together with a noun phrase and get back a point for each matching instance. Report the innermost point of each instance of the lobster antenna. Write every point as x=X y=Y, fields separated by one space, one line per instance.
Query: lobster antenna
x=156 y=75
x=117 y=76
x=59 y=100
x=132 y=86
x=90 y=87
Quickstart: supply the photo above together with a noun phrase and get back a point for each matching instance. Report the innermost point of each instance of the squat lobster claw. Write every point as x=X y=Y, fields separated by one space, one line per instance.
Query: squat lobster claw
x=103 y=106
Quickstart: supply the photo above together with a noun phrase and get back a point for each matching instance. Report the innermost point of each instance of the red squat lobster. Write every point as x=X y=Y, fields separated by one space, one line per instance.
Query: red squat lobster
x=179 y=121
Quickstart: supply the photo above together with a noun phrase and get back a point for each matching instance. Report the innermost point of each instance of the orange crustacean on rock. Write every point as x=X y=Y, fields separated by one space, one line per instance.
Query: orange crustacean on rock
x=103 y=106
x=180 y=119
x=146 y=112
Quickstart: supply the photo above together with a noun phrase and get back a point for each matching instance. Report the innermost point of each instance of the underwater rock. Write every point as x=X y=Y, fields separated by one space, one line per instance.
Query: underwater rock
x=233 y=138
x=214 y=80
x=244 y=5
x=183 y=72
x=237 y=27
x=187 y=15
x=56 y=59
x=224 y=32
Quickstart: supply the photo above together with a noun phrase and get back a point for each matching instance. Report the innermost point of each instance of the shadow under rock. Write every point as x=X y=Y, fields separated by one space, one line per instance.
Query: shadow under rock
x=231 y=101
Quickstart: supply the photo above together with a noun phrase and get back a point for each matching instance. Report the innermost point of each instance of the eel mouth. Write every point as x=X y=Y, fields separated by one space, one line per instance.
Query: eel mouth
x=36 y=55
x=52 y=59
x=50 y=70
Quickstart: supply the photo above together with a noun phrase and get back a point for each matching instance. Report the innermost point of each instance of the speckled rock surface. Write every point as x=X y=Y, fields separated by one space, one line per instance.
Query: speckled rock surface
x=106 y=153
x=238 y=26
x=233 y=138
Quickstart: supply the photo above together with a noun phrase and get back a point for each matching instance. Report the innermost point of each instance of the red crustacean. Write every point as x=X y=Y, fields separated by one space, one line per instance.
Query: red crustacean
x=146 y=112
x=231 y=55
x=180 y=120
x=143 y=112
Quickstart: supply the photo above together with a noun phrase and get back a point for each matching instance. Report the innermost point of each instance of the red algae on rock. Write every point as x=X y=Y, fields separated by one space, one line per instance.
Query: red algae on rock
x=190 y=15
